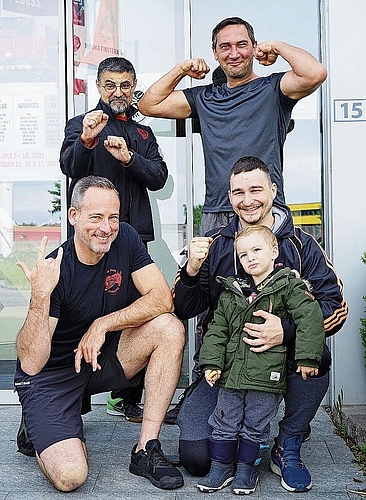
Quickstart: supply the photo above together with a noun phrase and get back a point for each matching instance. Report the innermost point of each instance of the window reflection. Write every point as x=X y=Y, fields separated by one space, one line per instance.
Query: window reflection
x=29 y=148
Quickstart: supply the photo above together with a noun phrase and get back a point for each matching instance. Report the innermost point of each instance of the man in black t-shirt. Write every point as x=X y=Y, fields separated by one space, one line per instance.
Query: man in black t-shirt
x=81 y=337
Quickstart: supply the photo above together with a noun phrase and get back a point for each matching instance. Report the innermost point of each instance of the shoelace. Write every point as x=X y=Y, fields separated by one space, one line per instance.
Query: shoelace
x=156 y=458
x=290 y=458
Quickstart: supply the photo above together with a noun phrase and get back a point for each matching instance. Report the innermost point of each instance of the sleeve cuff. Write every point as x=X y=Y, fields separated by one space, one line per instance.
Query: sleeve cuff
x=93 y=144
x=307 y=362
x=188 y=280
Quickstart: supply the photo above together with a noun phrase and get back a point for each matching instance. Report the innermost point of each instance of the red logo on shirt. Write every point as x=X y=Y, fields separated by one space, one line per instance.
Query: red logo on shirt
x=113 y=281
x=144 y=133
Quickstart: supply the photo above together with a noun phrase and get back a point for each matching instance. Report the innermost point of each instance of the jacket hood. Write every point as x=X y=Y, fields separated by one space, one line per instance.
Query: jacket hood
x=283 y=229
x=276 y=281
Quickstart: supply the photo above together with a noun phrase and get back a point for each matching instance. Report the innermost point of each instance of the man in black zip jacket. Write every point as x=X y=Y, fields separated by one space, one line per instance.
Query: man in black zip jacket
x=107 y=142
x=196 y=290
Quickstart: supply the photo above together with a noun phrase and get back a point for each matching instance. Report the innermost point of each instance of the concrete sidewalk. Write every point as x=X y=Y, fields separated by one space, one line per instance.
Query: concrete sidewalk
x=110 y=440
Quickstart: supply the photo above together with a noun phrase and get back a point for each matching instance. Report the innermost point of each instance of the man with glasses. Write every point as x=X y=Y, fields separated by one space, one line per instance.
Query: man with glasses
x=107 y=142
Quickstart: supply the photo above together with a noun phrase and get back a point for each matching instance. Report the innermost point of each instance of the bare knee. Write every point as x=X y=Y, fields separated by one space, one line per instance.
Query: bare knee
x=70 y=478
x=67 y=477
x=65 y=466
x=171 y=330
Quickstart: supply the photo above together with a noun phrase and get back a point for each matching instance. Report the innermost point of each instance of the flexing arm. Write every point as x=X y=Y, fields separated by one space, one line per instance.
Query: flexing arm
x=33 y=343
x=162 y=100
x=144 y=163
x=93 y=123
x=306 y=73
x=197 y=254
x=81 y=137
x=156 y=299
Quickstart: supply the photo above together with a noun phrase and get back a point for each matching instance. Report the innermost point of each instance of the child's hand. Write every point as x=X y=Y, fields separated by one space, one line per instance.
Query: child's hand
x=307 y=371
x=211 y=376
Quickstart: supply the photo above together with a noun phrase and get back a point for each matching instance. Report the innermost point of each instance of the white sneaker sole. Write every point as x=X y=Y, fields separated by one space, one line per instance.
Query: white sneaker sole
x=115 y=412
x=208 y=489
x=276 y=470
x=245 y=491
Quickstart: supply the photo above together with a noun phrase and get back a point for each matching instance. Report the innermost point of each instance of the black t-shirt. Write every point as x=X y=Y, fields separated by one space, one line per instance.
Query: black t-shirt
x=85 y=293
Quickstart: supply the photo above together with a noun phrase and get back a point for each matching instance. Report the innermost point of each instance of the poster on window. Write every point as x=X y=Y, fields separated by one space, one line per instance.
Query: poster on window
x=29 y=93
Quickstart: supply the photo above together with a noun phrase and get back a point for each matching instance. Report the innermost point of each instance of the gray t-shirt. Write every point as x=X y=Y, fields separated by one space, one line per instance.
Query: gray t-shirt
x=247 y=120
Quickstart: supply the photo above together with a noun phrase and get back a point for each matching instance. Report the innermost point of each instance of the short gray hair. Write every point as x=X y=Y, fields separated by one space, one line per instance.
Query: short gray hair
x=115 y=65
x=81 y=187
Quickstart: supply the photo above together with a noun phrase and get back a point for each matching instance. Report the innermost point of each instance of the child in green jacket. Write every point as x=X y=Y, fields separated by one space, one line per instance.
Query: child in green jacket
x=252 y=384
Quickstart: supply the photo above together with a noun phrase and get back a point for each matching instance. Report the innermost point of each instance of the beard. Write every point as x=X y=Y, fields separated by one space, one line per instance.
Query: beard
x=238 y=72
x=118 y=105
x=98 y=248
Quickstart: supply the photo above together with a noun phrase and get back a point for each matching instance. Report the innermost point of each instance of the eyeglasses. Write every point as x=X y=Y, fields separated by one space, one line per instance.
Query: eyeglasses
x=112 y=87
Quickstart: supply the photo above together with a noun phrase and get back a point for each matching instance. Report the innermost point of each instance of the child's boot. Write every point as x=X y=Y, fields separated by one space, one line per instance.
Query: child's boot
x=246 y=478
x=222 y=454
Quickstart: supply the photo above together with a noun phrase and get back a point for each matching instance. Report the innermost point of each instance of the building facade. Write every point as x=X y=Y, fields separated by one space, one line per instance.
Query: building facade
x=49 y=55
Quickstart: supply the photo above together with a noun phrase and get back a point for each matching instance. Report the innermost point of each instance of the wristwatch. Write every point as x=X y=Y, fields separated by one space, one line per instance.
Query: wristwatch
x=131 y=153
x=131 y=156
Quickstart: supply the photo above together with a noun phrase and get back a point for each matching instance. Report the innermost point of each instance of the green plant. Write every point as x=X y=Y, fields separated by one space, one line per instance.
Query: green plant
x=338 y=408
x=197 y=216
x=359 y=452
x=56 y=201
x=363 y=320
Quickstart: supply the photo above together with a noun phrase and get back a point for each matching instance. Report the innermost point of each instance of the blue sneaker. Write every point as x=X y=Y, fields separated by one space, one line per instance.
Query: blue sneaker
x=287 y=463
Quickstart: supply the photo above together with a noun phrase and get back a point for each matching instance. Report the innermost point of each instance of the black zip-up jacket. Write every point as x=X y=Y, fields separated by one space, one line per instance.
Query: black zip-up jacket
x=147 y=170
x=297 y=250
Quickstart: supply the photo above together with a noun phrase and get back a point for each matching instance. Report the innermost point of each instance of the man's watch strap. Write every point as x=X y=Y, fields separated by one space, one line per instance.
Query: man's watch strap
x=131 y=154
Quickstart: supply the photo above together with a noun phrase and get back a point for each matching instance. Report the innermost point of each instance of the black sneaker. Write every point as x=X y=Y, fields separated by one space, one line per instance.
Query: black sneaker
x=25 y=445
x=118 y=406
x=153 y=465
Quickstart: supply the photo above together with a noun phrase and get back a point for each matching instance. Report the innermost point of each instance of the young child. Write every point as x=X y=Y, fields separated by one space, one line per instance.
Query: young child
x=251 y=384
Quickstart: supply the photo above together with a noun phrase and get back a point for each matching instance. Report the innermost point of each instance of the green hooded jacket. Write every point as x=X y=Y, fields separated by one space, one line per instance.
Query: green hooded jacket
x=224 y=349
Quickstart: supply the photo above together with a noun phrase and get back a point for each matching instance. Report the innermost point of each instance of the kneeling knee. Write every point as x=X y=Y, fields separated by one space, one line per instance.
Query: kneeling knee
x=70 y=478
x=194 y=456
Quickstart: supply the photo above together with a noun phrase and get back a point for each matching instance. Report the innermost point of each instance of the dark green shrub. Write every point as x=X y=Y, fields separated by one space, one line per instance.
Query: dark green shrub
x=363 y=320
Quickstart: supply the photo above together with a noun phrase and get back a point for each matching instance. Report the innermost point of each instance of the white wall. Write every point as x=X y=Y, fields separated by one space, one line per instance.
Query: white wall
x=346 y=100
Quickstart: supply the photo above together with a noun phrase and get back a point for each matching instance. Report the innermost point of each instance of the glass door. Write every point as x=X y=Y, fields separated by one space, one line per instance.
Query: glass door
x=152 y=36
x=31 y=115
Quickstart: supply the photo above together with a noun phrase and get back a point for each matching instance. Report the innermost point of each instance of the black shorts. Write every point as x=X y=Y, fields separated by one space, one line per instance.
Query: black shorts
x=51 y=400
